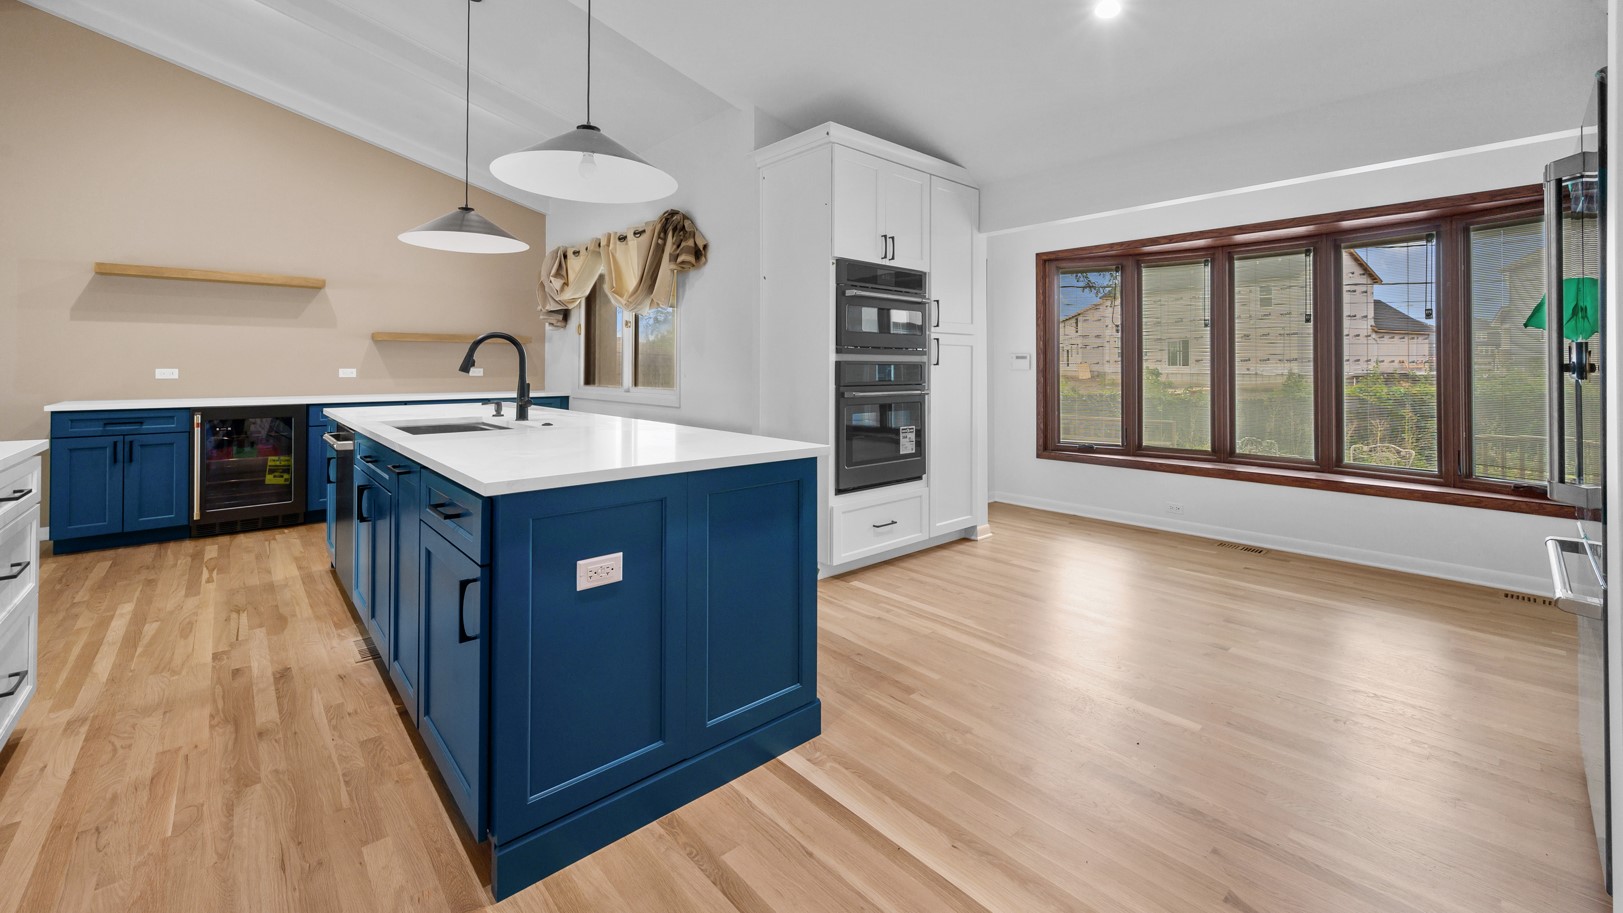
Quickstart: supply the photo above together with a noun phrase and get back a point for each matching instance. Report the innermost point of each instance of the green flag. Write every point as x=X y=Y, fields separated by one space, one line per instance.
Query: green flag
x=1582 y=298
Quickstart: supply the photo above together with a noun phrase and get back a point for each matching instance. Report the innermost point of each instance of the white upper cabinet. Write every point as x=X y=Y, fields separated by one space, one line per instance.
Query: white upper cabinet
x=954 y=217
x=881 y=210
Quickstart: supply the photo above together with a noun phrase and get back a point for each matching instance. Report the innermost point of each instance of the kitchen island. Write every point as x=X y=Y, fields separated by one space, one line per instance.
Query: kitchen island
x=591 y=620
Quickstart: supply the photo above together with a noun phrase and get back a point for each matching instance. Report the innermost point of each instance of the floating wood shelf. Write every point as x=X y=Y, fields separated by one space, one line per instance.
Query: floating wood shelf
x=207 y=275
x=434 y=337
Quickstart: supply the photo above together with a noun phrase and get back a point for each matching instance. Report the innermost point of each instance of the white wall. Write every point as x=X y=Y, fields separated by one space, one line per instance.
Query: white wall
x=716 y=321
x=1494 y=548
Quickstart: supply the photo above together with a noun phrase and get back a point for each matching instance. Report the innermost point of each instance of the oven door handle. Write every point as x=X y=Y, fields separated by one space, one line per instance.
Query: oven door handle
x=899 y=394
x=920 y=300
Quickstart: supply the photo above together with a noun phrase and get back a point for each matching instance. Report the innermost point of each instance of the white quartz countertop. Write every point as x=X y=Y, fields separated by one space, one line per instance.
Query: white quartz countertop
x=14 y=452
x=558 y=448
x=202 y=402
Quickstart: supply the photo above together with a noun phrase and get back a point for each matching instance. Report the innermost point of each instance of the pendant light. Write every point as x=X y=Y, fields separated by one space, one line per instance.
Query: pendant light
x=583 y=164
x=463 y=230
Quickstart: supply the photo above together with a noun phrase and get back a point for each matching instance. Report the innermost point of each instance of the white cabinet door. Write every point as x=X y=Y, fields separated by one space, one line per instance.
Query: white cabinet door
x=858 y=233
x=904 y=213
x=954 y=216
x=951 y=455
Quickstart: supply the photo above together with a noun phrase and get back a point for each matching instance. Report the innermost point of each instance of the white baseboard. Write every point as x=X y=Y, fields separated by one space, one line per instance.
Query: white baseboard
x=44 y=534
x=1504 y=580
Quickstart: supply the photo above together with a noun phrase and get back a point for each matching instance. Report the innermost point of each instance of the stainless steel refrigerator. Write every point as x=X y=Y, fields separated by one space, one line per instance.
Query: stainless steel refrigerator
x=1575 y=318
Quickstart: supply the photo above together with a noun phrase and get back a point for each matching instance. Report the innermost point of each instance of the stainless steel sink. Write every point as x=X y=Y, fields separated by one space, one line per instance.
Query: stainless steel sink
x=449 y=427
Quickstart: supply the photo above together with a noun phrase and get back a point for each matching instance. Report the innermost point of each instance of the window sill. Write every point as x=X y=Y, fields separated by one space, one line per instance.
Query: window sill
x=670 y=398
x=1325 y=481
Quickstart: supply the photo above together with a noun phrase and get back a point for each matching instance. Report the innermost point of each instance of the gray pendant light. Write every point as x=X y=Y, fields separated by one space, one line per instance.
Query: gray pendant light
x=583 y=164
x=463 y=230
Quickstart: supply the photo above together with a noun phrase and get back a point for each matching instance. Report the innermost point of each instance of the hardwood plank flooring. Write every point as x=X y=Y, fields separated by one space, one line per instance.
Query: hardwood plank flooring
x=1068 y=716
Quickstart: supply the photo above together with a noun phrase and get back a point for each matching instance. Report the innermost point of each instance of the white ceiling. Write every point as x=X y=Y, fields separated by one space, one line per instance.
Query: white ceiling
x=1003 y=88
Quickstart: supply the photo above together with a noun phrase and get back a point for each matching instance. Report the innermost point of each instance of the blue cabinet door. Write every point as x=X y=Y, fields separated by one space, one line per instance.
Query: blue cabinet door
x=156 y=490
x=87 y=486
x=363 y=586
x=454 y=689
x=752 y=596
x=405 y=627
x=374 y=558
x=319 y=459
x=592 y=683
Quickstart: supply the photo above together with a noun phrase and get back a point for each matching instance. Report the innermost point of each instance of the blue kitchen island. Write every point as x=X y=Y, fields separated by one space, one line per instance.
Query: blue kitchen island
x=591 y=620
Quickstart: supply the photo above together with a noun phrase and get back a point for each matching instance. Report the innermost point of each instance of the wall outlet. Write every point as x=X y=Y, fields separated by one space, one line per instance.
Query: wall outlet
x=600 y=571
x=1174 y=507
x=346 y=372
x=476 y=372
x=166 y=373
x=1020 y=361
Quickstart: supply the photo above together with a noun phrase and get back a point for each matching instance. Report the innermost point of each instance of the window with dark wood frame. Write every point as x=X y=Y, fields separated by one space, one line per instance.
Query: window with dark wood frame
x=1288 y=366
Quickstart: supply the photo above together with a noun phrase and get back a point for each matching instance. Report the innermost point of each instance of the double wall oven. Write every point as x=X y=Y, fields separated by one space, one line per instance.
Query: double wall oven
x=881 y=374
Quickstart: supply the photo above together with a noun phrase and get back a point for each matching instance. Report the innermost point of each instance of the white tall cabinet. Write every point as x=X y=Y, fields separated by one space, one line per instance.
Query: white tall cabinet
x=834 y=193
x=20 y=472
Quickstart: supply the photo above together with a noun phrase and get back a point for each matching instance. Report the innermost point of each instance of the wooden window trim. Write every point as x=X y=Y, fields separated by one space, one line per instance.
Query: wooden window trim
x=1449 y=217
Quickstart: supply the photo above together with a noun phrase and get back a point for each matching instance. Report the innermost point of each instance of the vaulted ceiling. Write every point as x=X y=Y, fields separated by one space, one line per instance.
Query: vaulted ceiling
x=1006 y=89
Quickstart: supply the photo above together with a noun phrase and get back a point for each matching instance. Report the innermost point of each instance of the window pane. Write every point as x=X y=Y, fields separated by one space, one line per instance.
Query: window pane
x=656 y=349
x=1177 y=332
x=1389 y=353
x=603 y=341
x=1090 y=356
x=1507 y=359
x=1273 y=355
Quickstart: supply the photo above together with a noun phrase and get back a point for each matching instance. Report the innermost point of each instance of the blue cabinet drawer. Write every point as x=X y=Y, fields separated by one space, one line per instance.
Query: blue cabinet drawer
x=382 y=461
x=457 y=514
x=144 y=421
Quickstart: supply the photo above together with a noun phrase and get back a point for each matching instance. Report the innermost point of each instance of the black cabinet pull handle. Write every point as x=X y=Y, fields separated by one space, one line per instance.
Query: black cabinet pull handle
x=441 y=512
x=360 y=504
x=462 y=635
x=17 y=568
x=883 y=241
x=20 y=677
x=369 y=459
x=885 y=524
x=17 y=494
x=115 y=453
x=935 y=360
x=937 y=322
x=129 y=451
x=399 y=470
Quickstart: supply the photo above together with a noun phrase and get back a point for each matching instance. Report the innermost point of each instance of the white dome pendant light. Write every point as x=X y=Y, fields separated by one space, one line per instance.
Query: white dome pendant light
x=464 y=231
x=583 y=164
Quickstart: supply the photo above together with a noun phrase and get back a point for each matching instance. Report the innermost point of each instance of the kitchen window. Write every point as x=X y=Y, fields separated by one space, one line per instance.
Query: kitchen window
x=627 y=356
x=1377 y=351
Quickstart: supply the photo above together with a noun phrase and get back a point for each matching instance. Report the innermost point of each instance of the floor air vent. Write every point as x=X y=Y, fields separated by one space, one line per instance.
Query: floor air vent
x=1523 y=597
x=366 y=651
x=245 y=526
x=1248 y=549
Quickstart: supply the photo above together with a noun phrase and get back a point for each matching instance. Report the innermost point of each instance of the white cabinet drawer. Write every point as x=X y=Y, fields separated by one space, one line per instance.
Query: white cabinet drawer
x=19 y=490
x=19 y=651
x=869 y=529
x=19 y=559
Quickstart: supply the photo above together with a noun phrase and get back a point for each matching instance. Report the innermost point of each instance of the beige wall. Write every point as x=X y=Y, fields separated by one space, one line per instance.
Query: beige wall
x=109 y=154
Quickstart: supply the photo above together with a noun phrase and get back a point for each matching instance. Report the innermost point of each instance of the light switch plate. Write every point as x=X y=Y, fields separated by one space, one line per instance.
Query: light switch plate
x=595 y=572
x=1020 y=361
x=166 y=373
x=346 y=372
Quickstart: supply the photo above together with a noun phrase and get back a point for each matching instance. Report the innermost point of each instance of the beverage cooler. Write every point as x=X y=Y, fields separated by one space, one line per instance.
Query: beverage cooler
x=247 y=468
x=1574 y=318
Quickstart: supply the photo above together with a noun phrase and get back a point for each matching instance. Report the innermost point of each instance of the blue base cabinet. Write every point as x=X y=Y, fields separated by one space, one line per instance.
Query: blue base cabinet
x=454 y=691
x=104 y=485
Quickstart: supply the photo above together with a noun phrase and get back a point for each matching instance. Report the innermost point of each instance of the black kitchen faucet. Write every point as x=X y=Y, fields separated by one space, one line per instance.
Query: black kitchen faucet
x=523 y=410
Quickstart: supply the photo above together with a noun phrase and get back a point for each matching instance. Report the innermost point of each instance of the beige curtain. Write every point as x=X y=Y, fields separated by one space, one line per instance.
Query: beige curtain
x=638 y=266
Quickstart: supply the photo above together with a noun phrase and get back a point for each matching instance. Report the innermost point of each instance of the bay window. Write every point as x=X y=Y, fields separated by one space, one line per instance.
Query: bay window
x=1378 y=351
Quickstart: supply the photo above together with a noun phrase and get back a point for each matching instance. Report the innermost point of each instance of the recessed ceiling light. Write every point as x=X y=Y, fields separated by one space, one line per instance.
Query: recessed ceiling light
x=1107 y=9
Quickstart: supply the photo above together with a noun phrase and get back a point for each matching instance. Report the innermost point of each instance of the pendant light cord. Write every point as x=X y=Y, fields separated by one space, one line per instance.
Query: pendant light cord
x=588 y=61
x=467 y=102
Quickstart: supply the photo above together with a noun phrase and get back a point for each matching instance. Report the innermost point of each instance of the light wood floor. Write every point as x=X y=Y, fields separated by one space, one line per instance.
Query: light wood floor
x=1068 y=716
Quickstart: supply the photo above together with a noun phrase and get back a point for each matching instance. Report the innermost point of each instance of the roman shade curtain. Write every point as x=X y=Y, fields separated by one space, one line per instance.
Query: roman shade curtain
x=638 y=267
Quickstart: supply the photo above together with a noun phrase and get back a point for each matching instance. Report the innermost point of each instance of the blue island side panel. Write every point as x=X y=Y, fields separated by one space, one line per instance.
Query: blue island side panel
x=613 y=706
